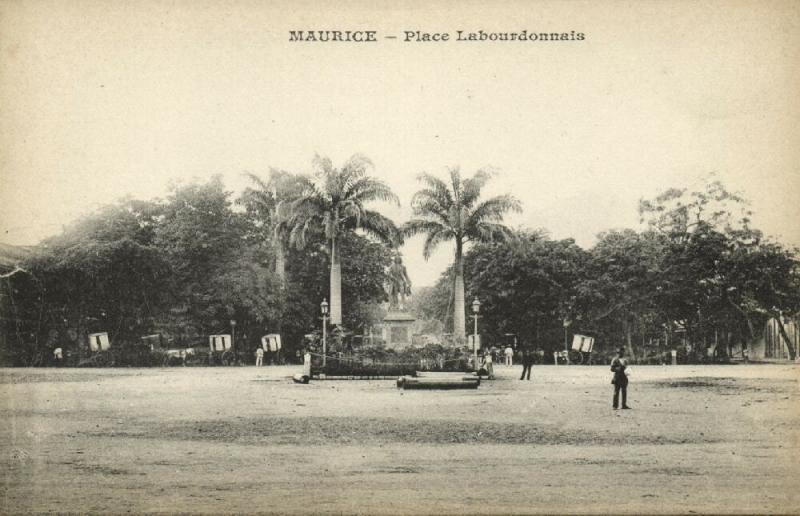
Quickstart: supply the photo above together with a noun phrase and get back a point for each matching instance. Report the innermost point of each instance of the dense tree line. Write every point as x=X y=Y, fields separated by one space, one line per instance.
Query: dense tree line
x=699 y=274
x=187 y=265
x=184 y=266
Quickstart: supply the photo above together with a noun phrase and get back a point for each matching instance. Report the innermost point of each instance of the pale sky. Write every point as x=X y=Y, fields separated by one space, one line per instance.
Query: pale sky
x=105 y=99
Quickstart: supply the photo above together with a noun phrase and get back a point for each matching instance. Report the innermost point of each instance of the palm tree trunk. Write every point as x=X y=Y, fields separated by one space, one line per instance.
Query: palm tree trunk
x=280 y=263
x=336 y=285
x=280 y=273
x=459 y=324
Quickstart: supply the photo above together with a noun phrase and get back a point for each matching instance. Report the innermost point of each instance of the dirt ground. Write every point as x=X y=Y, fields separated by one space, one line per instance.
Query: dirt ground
x=721 y=439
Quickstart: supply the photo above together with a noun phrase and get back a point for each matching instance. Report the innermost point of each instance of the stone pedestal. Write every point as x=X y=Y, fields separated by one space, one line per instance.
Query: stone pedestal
x=396 y=329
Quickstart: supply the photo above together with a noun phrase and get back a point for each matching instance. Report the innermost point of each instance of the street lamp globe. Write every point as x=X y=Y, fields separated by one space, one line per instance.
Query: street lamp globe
x=476 y=306
x=324 y=307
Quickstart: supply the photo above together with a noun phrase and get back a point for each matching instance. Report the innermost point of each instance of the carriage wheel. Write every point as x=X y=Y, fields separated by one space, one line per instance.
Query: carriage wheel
x=227 y=358
x=104 y=359
x=575 y=357
x=193 y=360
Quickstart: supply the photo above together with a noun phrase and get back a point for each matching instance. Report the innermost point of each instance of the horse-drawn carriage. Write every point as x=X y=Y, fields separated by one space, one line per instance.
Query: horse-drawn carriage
x=100 y=352
x=580 y=353
x=271 y=344
x=218 y=352
x=103 y=353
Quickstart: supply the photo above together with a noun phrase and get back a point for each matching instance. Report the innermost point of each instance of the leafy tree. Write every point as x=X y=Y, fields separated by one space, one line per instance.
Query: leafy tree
x=431 y=306
x=717 y=272
x=524 y=284
x=102 y=274
x=219 y=271
x=677 y=212
x=335 y=200
x=623 y=280
x=453 y=211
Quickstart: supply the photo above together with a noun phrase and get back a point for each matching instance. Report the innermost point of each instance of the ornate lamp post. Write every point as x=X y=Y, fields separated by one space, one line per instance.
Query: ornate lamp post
x=324 y=309
x=476 y=308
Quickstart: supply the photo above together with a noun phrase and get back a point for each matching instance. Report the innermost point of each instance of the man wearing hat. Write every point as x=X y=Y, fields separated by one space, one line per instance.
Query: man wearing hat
x=620 y=380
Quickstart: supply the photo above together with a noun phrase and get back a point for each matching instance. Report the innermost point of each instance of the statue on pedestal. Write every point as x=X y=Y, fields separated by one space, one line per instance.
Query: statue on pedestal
x=399 y=286
x=397 y=327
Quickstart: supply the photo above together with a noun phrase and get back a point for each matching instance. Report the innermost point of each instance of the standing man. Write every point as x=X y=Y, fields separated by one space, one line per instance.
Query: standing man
x=509 y=356
x=307 y=364
x=620 y=380
x=259 y=356
x=488 y=364
x=527 y=362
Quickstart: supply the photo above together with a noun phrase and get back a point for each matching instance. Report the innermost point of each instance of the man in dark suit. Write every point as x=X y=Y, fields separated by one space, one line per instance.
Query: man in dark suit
x=620 y=381
x=526 y=357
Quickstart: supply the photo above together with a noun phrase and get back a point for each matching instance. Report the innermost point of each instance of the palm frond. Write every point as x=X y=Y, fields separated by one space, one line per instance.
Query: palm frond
x=432 y=241
x=487 y=232
x=309 y=205
x=472 y=186
x=418 y=226
x=368 y=189
x=428 y=202
x=334 y=199
x=351 y=213
x=440 y=188
x=380 y=227
x=492 y=210
x=307 y=186
x=260 y=183
x=299 y=228
x=455 y=184
x=355 y=168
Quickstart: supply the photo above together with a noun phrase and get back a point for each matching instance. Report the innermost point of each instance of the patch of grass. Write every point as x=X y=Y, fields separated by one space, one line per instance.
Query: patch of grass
x=319 y=431
x=20 y=376
x=726 y=385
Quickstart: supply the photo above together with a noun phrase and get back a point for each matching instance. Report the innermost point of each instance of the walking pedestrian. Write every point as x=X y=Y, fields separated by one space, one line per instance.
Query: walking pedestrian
x=509 y=356
x=527 y=362
x=259 y=357
x=619 y=366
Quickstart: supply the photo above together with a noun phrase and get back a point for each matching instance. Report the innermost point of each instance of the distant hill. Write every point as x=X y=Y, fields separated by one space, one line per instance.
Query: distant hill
x=12 y=255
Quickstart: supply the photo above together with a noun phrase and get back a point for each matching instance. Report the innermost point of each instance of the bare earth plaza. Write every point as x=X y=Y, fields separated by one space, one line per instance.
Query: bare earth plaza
x=399 y=257
x=706 y=437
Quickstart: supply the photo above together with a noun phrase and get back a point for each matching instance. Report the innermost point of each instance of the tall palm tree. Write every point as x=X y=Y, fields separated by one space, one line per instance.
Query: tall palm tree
x=334 y=199
x=455 y=212
x=274 y=198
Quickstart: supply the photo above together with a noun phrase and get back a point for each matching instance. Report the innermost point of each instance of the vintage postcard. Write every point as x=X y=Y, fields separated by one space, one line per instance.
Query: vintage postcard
x=409 y=257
